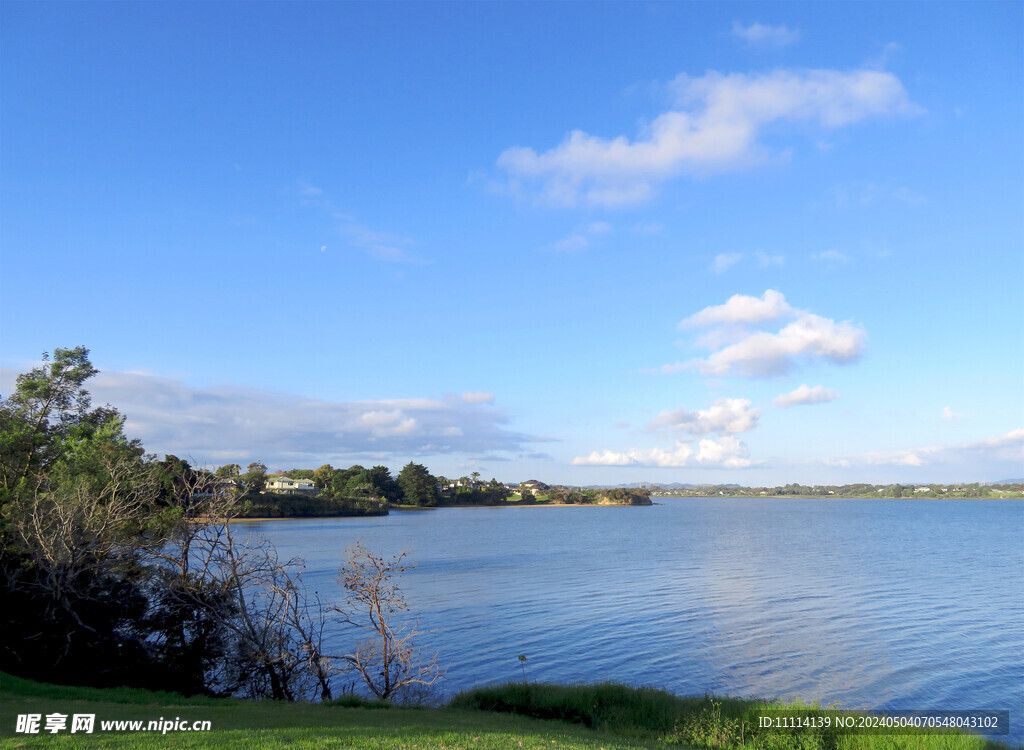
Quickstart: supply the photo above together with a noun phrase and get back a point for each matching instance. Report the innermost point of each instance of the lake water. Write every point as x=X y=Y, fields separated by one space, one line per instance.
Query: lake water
x=868 y=603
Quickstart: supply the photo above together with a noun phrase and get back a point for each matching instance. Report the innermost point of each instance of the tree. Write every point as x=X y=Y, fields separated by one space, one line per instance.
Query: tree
x=79 y=505
x=255 y=477
x=387 y=660
x=322 y=476
x=418 y=486
x=117 y=569
x=48 y=403
x=384 y=484
x=174 y=475
x=372 y=483
x=235 y=618
x=228 y=471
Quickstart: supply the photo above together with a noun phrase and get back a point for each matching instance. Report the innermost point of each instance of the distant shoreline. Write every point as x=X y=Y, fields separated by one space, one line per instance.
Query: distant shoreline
x=924 y=498
x=420 y=508
x=519 y=505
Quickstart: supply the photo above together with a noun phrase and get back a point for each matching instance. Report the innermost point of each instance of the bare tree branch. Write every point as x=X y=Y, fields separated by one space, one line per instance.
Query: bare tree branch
x=387 y=660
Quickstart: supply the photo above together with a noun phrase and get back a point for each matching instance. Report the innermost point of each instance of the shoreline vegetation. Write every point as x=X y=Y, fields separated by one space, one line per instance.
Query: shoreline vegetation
x=953 y=491
x=271 y=505
x=516 y=714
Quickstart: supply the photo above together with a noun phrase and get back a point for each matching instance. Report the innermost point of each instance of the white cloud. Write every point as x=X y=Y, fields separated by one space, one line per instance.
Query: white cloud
x=891 y=458
x=1007 y=447
x=998 y=453
x=723 y=335
x=725 y=453
x=759 y=34
x=728 y=415
x=881 y=60
x=809 y=337
x=714 y=127
x=949 y=415
x=233 y=423
x=724 y=261
x=819 y=394
x=739 y=350
x=741 y=308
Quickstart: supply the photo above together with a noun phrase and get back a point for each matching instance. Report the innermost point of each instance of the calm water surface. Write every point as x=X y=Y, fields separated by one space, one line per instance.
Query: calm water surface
x=867 y=603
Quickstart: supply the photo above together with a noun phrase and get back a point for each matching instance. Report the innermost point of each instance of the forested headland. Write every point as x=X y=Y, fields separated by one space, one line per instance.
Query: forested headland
x=373 y=491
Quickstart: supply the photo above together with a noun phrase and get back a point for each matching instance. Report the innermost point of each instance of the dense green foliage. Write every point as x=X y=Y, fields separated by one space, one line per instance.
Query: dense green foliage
x=419 y=487
x=476 y=493
x=255 y=477
x=615 y=496
x=300 y=505
x=608 y=706
x=356 y=482
x=78 y=506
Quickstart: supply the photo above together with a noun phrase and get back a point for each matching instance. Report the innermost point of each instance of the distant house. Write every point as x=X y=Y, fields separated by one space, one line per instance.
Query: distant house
x=287 y=484
x=534 y=486
x=454 y=484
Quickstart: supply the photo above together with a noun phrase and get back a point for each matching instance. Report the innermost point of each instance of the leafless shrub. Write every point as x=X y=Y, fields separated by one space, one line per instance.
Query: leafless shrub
x=387 y=660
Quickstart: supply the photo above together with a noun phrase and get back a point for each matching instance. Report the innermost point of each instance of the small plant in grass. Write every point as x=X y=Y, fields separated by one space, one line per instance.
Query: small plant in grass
x=708 y=728
x=352 y=700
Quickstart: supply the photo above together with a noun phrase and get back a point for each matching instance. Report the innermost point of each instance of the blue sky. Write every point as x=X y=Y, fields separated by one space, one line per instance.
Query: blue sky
x=583 y=242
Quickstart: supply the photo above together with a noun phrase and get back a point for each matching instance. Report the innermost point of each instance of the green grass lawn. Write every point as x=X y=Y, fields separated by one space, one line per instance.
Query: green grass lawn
x=517 y=715
x=252 y=725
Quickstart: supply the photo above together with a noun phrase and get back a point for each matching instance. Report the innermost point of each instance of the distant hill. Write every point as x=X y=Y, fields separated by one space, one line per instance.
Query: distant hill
x=631 y=486
x=673 y=486
x=1006 y=481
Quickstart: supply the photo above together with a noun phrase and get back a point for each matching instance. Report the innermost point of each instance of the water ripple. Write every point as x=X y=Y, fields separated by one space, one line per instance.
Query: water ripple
x=871 y=604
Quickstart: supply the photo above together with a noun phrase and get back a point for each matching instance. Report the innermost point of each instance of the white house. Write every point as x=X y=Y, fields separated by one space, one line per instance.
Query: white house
x=287 y=484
